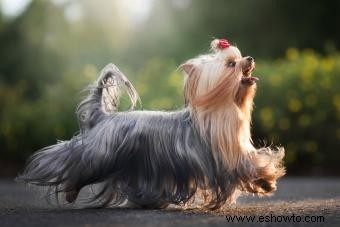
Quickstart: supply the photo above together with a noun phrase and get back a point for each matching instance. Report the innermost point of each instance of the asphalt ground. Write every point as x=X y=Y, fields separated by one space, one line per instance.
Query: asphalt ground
x=298 y=202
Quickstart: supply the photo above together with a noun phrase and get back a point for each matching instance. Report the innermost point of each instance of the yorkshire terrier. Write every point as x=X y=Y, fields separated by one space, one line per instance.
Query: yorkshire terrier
x=153 y=158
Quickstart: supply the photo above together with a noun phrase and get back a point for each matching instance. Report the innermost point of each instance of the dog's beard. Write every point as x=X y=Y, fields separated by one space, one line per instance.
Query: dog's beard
x=246 y=90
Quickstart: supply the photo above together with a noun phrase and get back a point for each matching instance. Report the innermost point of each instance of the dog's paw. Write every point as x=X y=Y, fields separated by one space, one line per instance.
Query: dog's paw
x=266 y=185
x=71 y=196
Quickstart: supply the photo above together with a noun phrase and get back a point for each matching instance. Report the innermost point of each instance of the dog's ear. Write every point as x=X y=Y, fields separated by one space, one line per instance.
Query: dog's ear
x=188 y=68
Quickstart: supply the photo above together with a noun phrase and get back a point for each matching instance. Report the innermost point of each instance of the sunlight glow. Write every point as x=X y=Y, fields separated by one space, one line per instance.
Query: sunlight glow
x=136 y=10
x=73 y=12
x=12 y=8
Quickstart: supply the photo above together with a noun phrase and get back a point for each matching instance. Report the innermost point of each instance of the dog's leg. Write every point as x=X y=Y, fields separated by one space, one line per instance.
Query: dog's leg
x=269 y=168
x=245 y=95
x=244 y=98
x=71 y=196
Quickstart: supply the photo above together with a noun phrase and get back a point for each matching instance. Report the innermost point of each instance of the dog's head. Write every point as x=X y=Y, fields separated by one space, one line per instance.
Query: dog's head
x=217 y=79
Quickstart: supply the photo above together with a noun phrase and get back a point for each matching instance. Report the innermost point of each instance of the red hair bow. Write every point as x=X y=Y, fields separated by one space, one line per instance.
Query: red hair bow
x=223 y=43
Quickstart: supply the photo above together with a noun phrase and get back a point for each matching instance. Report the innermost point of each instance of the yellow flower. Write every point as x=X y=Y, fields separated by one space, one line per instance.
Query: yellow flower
x=294 y=105
x=336 y=101
x=307 y=75
x=292 y=54
x=267 y=117
x=176 y=80
x=327 y=64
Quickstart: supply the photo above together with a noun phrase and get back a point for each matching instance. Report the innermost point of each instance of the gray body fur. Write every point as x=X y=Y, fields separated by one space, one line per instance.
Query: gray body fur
x=149 y=158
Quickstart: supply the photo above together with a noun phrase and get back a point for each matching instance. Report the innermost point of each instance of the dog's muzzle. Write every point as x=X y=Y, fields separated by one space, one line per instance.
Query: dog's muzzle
x=248 y=68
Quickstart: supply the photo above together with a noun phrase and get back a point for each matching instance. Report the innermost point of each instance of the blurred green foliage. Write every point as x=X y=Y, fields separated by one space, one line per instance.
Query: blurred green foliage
x=298 y=105
x=47 y=59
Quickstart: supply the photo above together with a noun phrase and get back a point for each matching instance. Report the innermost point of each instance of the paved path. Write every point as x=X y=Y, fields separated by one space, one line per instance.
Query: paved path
x=301 y=197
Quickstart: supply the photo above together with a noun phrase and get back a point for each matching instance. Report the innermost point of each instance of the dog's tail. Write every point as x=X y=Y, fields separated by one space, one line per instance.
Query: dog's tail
x=62 y=166
x=104 y=97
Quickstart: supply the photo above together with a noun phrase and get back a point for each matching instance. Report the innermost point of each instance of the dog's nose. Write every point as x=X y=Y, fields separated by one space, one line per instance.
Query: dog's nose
x=250 y=58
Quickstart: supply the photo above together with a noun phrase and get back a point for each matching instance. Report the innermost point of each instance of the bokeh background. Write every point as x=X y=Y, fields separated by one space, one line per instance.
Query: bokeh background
x=51 y=49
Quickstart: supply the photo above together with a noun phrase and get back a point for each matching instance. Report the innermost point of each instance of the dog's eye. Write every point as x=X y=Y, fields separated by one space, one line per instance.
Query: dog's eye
x=231 y=64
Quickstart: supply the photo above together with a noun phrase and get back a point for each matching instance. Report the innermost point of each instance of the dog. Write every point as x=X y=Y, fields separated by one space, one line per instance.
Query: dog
x=152 y=159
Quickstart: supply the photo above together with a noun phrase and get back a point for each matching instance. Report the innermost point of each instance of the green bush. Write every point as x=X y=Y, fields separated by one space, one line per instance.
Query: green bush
x=298 y=106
